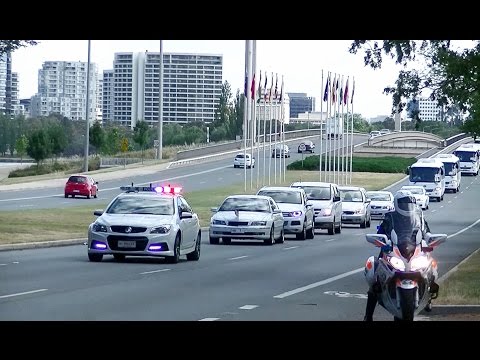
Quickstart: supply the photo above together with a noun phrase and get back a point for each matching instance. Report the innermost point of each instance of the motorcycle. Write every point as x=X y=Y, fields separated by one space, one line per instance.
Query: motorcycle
x=405 y=273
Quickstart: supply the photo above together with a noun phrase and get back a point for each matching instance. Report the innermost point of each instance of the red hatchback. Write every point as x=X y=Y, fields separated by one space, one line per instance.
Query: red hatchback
x=82 y=185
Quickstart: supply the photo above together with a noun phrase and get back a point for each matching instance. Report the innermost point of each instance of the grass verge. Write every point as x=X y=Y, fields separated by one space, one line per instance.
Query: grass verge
x=463 y=286
x=70 y=223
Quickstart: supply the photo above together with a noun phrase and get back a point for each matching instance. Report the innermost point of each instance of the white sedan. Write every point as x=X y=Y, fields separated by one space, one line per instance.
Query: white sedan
x=423 y=200
x=239 y=161
x=381 y=202
x=247 y=217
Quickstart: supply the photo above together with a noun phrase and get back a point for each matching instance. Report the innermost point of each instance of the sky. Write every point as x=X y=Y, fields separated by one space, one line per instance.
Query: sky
x=299 y=61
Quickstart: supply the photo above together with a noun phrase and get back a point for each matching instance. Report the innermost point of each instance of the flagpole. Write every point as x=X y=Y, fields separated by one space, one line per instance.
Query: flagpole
x=347 y=133
x=351 y=143
x=270 y=115
x=321 y=125
x=329 y=124
x=340 y=132
x=325 y=127
x=282 y=133
x=259 y=124
x=264 y=163
x=248 y=72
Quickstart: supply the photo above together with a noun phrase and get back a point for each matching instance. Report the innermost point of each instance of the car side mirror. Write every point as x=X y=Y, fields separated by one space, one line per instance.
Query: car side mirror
x=379 y=240
x=186 y=215
x=98 y=212
x=96 y=182
x=214 y=209
x=368 y=200
x=407 y=171
x=336 y=198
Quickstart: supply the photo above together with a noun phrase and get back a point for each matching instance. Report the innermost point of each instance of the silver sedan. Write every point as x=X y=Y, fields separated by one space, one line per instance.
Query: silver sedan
x=247 y=217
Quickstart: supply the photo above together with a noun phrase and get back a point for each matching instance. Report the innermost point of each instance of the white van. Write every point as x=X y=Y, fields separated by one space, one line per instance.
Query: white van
x=469 y=158
x=429 y=173
x=453 y=175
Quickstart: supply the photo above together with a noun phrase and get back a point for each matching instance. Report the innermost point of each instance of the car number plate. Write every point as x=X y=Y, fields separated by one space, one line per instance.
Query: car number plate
x=76 y=190
x=376 y=213
x=126 y=244
x=237 y=231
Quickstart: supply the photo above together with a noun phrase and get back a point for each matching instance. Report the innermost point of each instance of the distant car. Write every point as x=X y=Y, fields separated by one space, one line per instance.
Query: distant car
x=239 y=161
x=306 y=146
x=374 y=134
x=247 y=217
x=420 y=194
x=82 y=185
x=381 y=202
x=385 y=131
x=146 y=221
x=355 y=206
x=298 y=214
x=281 y=151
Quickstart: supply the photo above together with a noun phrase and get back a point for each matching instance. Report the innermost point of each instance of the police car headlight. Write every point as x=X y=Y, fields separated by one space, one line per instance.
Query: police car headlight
x=163 y=229
x=218 y=222
x=420 y=262
x=259 y=223
x=397 y=263
x=99 y=227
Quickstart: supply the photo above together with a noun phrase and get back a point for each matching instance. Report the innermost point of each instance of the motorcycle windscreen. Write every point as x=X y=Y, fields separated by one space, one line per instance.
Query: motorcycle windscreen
x=406 y=233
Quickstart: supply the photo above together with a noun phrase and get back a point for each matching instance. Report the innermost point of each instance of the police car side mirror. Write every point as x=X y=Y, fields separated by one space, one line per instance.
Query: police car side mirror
x=98 y=212
x=186 y=215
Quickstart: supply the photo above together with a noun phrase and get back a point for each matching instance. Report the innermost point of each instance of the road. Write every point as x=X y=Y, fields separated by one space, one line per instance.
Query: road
x=201 y=176
x=318 y=279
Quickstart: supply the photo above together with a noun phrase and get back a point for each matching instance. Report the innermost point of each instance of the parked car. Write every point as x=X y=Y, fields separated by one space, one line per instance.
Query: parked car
x=306 y=146
x=281 y=151
x=420 y=194
x=247 y=217
x=355 y=206
x=239 y=161
x=381 y=202
x=82 y=185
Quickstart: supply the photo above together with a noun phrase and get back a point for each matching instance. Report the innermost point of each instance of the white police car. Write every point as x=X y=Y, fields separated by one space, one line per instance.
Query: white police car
x=145 y=221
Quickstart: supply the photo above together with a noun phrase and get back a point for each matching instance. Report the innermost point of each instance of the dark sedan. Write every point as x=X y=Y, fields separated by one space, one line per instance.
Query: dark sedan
x=306 y=146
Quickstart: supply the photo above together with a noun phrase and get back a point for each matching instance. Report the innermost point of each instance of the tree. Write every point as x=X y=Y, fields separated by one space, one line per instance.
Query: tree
x=38 y=147
x=58 y=140
x=7 y=46
x=140 y=135
x=112 y=142
x=21 y=146
x=97 y=136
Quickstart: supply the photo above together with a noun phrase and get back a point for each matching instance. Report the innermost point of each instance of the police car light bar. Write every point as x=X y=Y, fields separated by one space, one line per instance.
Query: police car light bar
x=158 y=189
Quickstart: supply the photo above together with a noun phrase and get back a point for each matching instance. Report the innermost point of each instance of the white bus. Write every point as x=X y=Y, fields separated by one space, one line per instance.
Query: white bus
x=453 y=175
x=469 y=158
x=429 y=173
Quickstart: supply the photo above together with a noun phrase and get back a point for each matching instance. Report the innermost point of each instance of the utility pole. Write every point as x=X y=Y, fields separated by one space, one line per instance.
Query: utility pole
x=87 y=112
x=160 y=105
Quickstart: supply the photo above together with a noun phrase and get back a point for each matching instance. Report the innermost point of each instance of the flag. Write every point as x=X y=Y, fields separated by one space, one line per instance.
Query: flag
x=276 y=83
x=271 y=88
x=246 y=86
x=252 y=88
x=325 y=93
x=353 y=91
x=345 y=94
x=340 y=96
x=281 y=91
x=333 y=89
x=259 y=87
x=265 y=87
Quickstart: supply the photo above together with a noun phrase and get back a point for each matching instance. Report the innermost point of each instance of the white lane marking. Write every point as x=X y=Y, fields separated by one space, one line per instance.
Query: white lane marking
x=117 y=188
x=238 y=257
x=449 y=201
x=433 y=211
x=476 y=305
x=154 y=271
x=466 y=188
x=15 y=262
x=441 y=206
x=22 y=293
x=455 y=197
x=329 y=240
x=248 y=307
x=3 y=264
x=209 y=319
x=291 y=247
x=318 y=283
x=202 y=182
x=461 y=192
x=464 y=229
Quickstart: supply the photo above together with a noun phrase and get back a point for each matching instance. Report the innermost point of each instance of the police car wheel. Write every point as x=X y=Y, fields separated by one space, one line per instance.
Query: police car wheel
x=176 y=251
x=195 y=255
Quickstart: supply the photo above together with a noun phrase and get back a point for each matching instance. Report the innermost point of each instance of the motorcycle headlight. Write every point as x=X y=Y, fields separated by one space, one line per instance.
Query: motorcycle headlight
x=163 y=229
x=420 y=262
x=99 y=227
x=397 y=263
x=259 y=223
x=218 y=222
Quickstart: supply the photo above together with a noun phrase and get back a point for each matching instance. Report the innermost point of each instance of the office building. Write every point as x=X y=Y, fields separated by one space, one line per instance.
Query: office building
x=300 y=103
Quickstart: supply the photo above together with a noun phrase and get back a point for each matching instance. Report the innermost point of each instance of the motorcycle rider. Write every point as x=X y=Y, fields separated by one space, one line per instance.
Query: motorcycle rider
x=406 y=215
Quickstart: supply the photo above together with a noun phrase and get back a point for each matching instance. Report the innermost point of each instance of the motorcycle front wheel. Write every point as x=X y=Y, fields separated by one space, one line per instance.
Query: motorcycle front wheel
x=407 y=303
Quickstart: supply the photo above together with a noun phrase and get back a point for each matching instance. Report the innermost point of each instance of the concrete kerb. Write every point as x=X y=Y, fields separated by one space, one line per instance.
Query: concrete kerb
x=40 y=244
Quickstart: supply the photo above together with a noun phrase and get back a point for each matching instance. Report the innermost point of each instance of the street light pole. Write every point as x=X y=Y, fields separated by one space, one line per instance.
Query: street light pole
x=160 y=105
x=87 y=112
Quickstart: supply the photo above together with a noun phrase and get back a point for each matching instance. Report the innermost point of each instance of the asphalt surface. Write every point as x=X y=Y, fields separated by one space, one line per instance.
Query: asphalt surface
x=318 y=279
x=201 y=176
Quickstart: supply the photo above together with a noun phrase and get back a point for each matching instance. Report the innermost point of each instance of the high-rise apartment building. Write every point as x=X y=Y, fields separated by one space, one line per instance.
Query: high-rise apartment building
x=9 y=103
x=62 y=89
x=192 y=86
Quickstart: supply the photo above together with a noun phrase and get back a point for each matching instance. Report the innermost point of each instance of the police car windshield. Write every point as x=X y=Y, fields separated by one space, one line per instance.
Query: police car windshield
x=245 y=204
x=154 y=205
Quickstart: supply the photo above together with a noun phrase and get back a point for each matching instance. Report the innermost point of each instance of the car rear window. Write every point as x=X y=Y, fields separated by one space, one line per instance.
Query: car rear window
x=77 y=179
